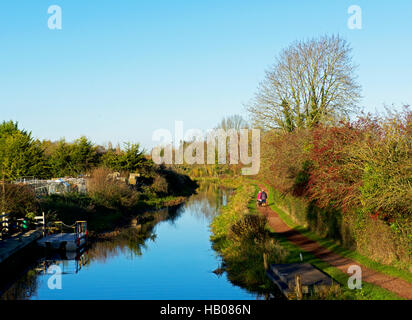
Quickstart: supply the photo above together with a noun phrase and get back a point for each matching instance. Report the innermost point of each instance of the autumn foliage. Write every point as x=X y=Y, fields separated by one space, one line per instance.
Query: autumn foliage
x=361 y=170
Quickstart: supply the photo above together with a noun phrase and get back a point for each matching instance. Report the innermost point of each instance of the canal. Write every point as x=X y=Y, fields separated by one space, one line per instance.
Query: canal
x=166 y=254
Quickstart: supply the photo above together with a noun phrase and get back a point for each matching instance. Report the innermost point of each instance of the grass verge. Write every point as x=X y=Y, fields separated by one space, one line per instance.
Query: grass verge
x=242 y=254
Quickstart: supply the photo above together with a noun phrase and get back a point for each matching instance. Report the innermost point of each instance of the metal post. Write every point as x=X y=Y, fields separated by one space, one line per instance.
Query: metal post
x=5 y=222
x=44 y=224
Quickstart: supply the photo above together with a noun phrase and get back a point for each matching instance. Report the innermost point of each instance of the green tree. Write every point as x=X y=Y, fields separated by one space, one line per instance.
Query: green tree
x=20 y=154
x=72 y=159
x=110 y=159
x=83 y=155
x=131 y=159
x=60 y=160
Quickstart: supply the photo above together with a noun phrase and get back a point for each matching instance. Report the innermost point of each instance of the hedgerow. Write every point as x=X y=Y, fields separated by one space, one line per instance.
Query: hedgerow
x=351 y=182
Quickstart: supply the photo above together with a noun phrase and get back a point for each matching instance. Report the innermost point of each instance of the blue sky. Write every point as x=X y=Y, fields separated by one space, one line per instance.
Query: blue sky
x=118 y=70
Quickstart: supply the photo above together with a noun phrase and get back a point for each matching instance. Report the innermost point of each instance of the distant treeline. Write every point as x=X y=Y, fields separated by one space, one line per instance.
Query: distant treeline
x=22 y=155
x=110 y=197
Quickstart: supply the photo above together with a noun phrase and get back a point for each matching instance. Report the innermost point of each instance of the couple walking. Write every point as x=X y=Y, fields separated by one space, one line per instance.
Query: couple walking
x=262 y=197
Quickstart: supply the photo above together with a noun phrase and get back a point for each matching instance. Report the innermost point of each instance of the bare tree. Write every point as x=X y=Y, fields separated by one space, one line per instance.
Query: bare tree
x=233 y=122
x=312 y=82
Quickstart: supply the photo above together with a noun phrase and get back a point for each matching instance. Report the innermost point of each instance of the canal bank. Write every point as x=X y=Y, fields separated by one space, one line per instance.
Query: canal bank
x=13 y=245
x=240 y=236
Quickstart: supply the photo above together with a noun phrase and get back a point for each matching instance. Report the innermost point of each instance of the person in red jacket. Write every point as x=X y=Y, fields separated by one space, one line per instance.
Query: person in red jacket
x=259 y=200
x=263 y=197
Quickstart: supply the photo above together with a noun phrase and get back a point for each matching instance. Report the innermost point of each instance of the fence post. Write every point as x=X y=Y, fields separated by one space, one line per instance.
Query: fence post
x=299 y=294
x=265 y=261
x=44 y=224
x=1 y=225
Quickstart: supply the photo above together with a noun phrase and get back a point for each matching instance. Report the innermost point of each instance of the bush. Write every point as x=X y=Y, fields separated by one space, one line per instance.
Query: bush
x=160 y=185
x=18 y=199
x=384 y=155
x=68 y=207
x=278 y=149
x=333 y=181
x=110 y=193
x=249 y=227
x=178 y=184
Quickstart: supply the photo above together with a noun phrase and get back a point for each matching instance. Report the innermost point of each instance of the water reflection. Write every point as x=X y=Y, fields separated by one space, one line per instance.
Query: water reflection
x=165 y=254
x=23 y=288
x=206 y=203
x=27 y=281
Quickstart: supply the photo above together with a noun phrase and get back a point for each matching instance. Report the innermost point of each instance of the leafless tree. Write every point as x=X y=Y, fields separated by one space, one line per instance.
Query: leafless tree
x=233 y=122
x=312 y=82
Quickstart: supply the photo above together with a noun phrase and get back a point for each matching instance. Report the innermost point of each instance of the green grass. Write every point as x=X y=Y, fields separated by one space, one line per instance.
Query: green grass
x=243 y=259
x=334 y=247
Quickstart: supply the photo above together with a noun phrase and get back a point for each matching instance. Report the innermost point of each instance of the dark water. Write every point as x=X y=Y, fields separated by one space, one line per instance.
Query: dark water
x=169 y=257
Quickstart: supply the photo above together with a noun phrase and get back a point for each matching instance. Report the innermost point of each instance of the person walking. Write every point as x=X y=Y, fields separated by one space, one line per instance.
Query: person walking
x=259 y=200
x=263 y=197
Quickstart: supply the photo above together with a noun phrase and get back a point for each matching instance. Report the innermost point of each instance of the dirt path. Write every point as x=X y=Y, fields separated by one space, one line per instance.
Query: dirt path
x=396 y=285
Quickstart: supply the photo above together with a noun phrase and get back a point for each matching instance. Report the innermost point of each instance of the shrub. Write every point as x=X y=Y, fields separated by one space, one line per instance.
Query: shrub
x=18 y=199
x=284 y=156
x=384 y=155
x=160 y=185
x=249 y=227
x=178 y=184
x=333 y=182
x=109 y=192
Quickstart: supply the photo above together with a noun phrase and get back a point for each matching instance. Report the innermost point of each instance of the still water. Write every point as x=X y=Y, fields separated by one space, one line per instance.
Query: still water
x=169 y=256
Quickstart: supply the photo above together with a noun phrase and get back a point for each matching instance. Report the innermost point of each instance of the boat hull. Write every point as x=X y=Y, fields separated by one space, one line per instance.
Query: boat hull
x=67 y=242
